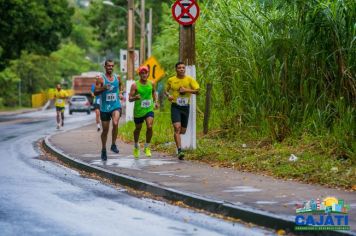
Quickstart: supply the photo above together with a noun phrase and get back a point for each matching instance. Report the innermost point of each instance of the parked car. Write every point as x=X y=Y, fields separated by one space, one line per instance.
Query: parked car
x=79 y=103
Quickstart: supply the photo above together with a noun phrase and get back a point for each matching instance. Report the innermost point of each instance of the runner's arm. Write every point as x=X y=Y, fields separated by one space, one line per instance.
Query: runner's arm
x=154 y=95
x=166 y=91
x=193 y=87
x=121 y=92
x=188 y=90
x=99 y=88
x=92 y=90
x=132 y=96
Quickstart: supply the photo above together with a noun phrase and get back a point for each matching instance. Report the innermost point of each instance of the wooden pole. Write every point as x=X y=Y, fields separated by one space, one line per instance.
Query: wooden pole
x=207 y=108
x=187 y=44
x=143 y=34
x=131 y=40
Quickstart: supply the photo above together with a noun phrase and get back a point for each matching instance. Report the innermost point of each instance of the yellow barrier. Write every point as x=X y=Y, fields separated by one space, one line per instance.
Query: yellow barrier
x=39 y=99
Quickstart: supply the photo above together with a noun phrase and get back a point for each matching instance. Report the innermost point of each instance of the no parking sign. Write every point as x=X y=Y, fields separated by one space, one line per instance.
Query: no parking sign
x=185 y=12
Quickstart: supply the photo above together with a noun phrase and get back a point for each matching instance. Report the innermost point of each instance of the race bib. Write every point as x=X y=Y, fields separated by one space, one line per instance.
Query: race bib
x=182 y=101
x=146 y=103
x=59 y=100
x=111 y=97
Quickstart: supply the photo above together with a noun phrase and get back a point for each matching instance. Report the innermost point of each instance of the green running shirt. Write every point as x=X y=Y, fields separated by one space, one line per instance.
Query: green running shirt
x=145 y=104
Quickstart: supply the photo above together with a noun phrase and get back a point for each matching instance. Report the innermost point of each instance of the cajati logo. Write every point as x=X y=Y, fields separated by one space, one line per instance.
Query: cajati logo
x=327 y=214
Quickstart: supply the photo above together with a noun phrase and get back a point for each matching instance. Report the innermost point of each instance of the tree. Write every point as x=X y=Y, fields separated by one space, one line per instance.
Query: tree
x=70 y=60
x=35 y=26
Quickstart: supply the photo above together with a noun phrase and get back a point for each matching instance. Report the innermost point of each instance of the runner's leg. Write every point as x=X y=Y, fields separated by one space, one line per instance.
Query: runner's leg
x=97 y=118
x=149 y=130
x=115 y=125
x=58 y=117
x=136 y=133
x=149 y=124
x=62 y=116
x=104 y=134
x=177 y=129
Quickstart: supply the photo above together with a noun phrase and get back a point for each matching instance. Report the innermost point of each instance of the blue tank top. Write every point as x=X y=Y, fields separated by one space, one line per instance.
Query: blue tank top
x=109 y=99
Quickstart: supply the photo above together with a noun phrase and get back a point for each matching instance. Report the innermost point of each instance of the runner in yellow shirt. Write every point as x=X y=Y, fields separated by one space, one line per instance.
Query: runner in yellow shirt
x=60 y=97
x=179 y=88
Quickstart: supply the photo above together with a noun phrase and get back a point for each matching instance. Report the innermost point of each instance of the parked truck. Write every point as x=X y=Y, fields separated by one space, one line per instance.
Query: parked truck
x=81 y=84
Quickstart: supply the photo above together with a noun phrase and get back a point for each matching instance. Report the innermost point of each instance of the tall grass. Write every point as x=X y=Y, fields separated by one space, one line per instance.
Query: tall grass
x=281 y=68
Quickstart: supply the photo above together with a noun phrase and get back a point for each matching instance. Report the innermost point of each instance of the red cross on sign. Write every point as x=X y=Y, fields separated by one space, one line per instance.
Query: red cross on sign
x=186 y=12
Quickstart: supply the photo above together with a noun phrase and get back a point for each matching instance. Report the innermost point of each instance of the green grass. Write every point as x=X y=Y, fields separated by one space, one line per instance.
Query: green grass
x=162 y=130
x=317 y=161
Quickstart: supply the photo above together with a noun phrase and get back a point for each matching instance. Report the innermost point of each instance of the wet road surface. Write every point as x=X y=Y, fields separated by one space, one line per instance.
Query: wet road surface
x=43 y=198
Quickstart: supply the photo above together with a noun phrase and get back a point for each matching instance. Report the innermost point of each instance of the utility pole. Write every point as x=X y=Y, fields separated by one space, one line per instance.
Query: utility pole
x=187 y=56
x=187 y=44
x=143 y=34
x=131 y=40
x=186 y=12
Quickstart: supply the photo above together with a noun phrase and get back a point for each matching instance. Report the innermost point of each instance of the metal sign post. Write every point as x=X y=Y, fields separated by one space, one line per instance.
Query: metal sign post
x=186 y=12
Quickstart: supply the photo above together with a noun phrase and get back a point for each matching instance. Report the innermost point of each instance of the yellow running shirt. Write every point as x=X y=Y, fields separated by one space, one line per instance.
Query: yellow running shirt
x=60 y=98
x=174 y=83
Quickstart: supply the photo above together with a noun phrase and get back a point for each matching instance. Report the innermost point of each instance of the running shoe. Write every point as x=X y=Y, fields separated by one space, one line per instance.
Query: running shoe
x=147 y=151
x=58 y=126
x=136 y=152
x=114 y=148
x=62 y=123
x=104 y=157
x=180 y=155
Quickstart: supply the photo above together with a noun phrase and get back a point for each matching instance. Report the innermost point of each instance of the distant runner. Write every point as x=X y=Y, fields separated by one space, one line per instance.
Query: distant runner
x=182 y=87
x=60 y=97
x=109 y=87
x=142 y=92
x=96 y=104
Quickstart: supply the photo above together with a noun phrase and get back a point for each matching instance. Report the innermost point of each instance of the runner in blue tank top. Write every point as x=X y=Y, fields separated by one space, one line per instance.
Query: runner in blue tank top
x=109 y=88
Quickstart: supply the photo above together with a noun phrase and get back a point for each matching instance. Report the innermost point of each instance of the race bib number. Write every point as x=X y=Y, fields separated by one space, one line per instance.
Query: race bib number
x=59 y=100
x=111 y=97
x=182 y=101
x=146 y=103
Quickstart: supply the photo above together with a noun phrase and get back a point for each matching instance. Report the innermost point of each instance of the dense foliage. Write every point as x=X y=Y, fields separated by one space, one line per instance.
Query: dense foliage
x=35 y=26
x=279 y=69
x=110 y=24
x=38 y=55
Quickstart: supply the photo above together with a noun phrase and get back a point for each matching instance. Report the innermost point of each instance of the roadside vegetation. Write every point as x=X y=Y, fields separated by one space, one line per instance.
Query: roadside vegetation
x=282 y=73
x=316 y=161
x=283 y=76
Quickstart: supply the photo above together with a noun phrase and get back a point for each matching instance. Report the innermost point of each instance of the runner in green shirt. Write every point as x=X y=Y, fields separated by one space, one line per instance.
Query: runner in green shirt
x=143 y=93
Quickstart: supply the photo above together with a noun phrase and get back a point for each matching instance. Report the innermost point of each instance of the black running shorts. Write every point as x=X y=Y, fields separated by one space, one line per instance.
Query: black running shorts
x=180 y=114
x=61 y=109
x=140 y=120
x=106 y=116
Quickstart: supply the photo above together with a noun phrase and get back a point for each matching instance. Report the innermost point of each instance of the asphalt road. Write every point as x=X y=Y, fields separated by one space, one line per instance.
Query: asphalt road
x=40 y=197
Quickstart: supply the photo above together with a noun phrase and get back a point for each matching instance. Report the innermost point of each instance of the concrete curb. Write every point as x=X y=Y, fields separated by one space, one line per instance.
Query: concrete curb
x=254 y=216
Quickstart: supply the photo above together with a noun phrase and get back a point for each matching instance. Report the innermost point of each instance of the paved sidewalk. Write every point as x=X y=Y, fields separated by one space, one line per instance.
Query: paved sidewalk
x=256 y=198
